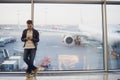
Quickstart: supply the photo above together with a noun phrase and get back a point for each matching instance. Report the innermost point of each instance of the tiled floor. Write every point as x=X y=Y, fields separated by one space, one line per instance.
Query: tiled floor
x=76 y=76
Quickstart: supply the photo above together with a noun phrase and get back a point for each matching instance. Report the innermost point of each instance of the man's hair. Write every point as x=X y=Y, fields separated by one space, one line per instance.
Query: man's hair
x=29 y=22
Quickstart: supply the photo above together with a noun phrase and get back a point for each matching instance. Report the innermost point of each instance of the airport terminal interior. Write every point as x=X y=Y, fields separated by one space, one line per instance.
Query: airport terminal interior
x=79 y=39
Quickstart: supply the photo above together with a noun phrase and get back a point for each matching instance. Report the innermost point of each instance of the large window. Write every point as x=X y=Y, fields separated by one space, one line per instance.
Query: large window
x=12 y=21
x=71 y=36
x=113 y=23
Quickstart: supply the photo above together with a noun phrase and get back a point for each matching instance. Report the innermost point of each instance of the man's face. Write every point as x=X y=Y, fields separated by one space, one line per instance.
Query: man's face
x=30 y=26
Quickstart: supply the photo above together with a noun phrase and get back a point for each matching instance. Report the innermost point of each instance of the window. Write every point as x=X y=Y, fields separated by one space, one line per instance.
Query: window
x=113 y=35
x=71 y=36
x=12 y=22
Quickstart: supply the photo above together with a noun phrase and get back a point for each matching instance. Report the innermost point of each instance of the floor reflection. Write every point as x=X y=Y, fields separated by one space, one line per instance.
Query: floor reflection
x=69 y=76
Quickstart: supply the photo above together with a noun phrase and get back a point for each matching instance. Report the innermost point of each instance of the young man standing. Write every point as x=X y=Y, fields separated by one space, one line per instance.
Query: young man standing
x=30 y=37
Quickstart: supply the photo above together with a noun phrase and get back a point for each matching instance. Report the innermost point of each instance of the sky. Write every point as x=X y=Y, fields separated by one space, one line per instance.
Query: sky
x=58 y=14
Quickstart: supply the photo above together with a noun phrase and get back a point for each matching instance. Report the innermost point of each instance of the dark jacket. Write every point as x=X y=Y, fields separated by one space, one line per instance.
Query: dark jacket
x=35 y=38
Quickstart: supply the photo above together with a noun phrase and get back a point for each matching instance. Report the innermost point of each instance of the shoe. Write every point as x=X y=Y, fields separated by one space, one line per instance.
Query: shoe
x=35 y=72
x=34 y=78
x=27 y=76
x=118 y=79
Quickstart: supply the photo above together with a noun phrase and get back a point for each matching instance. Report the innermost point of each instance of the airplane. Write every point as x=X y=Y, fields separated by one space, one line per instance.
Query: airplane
x=90 y=35
x=70 y=37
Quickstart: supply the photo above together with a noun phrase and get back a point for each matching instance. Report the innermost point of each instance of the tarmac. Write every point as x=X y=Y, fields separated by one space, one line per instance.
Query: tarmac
x=87 y=56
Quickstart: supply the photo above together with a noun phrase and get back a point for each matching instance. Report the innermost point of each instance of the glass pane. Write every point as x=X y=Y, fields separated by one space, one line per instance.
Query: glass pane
x=70 y=36
x=113 y=23
x=12 y=21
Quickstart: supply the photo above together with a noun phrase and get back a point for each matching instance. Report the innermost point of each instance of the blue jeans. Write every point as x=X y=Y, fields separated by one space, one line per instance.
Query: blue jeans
x=29 y=55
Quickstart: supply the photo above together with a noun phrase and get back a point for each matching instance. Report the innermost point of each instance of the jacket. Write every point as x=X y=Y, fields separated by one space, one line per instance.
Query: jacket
x=35 y=36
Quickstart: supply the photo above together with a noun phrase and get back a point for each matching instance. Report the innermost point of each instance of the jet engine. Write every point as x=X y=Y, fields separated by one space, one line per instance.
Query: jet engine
x=69 y=40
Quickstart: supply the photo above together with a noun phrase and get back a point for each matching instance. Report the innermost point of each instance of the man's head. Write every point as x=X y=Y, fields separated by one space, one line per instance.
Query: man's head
x=29 y=24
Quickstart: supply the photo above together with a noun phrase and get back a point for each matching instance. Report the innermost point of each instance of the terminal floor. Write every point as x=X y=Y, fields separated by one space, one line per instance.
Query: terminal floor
x=65 y=76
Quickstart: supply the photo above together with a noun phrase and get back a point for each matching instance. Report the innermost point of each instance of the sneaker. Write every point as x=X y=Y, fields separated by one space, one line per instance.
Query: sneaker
x=35 y=72
x=34 y=78
x=27 y=75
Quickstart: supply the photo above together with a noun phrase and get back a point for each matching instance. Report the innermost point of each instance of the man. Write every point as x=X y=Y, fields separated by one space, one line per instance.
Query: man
x=30 y=37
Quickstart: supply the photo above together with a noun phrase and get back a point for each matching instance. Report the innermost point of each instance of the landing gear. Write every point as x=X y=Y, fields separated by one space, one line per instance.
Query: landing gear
x=77 y=41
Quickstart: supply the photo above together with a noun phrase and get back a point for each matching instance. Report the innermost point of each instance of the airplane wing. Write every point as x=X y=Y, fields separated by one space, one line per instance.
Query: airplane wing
x=82 y=34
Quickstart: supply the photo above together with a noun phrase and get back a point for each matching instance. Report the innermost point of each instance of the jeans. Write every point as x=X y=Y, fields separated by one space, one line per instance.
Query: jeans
x=29 y=55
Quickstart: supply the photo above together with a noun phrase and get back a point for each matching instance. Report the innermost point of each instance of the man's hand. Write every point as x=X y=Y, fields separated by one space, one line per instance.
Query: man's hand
x=29 y=38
